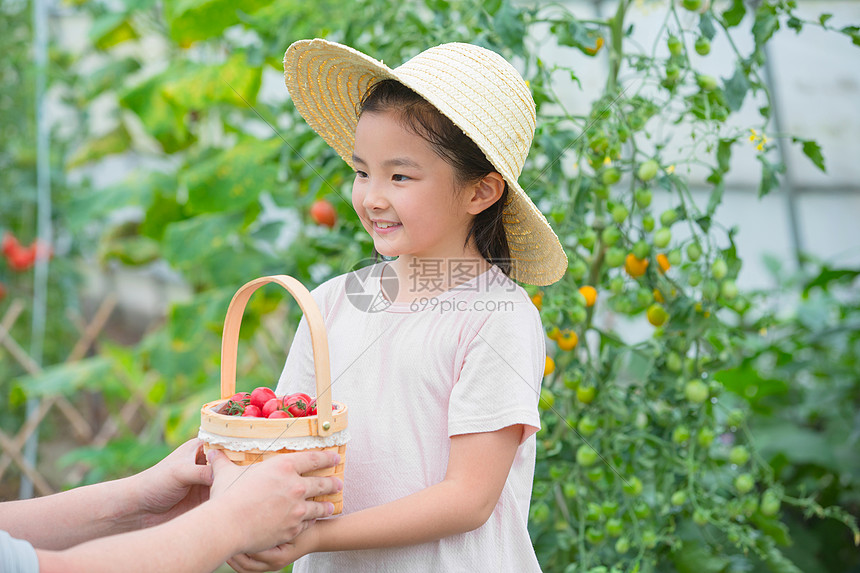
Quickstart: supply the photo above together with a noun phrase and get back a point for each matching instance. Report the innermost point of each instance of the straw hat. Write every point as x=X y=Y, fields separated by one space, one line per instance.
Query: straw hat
x=474 y=87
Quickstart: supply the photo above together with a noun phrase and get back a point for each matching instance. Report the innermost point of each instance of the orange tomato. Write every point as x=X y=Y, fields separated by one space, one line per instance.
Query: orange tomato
x=549 y=366
x=597 y=45
x=590 y=294
x=635 y=267
x=538 y=300
x=568 y=340
x=663 y=262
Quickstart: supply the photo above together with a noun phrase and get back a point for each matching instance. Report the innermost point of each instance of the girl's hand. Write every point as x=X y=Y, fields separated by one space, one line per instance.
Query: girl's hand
x=280 y=556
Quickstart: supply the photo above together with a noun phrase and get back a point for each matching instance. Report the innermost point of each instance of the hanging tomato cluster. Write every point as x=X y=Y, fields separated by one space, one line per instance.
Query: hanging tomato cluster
x=19 y=257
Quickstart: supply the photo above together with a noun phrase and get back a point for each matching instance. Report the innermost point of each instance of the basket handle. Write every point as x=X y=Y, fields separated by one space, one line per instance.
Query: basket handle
x=319 y=342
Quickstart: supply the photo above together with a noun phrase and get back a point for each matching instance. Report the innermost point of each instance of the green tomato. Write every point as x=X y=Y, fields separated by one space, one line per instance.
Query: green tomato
x=649 y=539
x=622 y=545
x=633 y=486
x=588 y=238
x=540 y=512
x=569 y=490
x=674 y=257
x=696 y=391
x=691 y=5
x=641 y=249
x=586 y=393
x=744 y=483
x=719 y=269
x=619 y=213
x=547 y=399
x=676 y=47
x=673 y=362
x=643 y=197
x=680 y=434
x=728 y=289
x=611 y=235
x=595 y=474
x=648 y=223
x=770 y=503
x=611 y=176
x=662 y=238
x=616 y=285
x=710 y=290
x=706 y=437
x=615 y=257
x=700 y=517
x=586 y=456
x=593 y=512
x=642 y=510
x=736 y=417
x=594 y=535
x=702 y=46
x=602 y=192
x=695 y=278
x=679 y=498
x=739 y=455
x=578 y=269
x=578 y=314
x=707 y=83
x=614 y=527
x=572 y=379
x=587 y=425
x=609 y=507
x=648 y=170
x=668 y=217
x=694 y=251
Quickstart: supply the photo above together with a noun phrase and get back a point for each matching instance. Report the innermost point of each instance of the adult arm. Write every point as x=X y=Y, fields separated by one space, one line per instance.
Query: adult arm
x=202 y=538
x=171 y=487
x=478 y=466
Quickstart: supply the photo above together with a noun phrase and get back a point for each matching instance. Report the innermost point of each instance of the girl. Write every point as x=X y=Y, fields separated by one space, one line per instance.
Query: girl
x=438 y=354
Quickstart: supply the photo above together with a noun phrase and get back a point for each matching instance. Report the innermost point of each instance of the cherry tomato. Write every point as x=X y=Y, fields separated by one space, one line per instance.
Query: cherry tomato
x=260 y=396
x=279 y=414
x=271 y=406
x=297 y=404
x=323 y=213
x=252 y=411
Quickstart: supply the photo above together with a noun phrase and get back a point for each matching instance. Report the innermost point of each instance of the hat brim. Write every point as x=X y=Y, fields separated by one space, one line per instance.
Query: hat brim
x=327 y=82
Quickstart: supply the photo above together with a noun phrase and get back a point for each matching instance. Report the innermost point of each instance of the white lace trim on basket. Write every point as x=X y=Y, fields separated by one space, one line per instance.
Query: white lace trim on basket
x=274 y=444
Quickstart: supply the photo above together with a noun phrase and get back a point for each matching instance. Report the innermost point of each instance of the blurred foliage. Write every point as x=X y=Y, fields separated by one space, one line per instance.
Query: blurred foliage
x=702 y=446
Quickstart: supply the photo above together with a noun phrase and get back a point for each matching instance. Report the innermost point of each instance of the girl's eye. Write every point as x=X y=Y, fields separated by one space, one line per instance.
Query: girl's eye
x=360 y=174
x=398 y=177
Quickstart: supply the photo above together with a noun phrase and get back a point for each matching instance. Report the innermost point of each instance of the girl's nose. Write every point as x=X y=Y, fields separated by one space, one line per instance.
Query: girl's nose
x=374 y=197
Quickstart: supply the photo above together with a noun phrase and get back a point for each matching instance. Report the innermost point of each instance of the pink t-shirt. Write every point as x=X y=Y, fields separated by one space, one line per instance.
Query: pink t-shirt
x=413 y=375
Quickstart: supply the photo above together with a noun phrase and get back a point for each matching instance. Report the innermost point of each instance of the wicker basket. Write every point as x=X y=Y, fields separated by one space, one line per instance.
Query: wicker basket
x=249 y=440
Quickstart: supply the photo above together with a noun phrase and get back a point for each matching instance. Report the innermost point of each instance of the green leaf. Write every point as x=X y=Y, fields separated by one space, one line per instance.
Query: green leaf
x=828 y=276
x=823 y=18
x=70 y=378
x=111 y=29
x=812 y=150
x=748 y=383
x=109 y=76
x=233 y=179
x=769 y=179
x=696 y=557
x=193 y=20
x=114 y=141
x=799 y=445
x=234 y=82
x=706 y=26
x=773 y=528
x=736 y=88
x=161 y=119
x=853 y=32
x=734 y=13
x=766 y=23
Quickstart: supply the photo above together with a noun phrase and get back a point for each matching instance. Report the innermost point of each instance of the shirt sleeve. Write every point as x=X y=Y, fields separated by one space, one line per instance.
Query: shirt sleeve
x=17 y=555
x=499 y=382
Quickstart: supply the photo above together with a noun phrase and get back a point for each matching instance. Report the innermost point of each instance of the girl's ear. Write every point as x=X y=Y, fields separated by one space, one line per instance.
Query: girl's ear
x=485 y=192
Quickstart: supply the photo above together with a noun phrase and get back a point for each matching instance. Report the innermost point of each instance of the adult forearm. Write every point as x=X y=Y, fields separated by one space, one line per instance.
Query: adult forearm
x=66 y=519
x=199 y=540
x=441 y=510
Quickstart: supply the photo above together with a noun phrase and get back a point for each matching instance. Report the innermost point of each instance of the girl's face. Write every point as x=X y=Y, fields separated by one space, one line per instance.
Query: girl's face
x=406 y=195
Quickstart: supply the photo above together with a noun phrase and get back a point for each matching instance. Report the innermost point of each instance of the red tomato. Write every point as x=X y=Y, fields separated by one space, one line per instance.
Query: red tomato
x=323 y=213
x=279 y=414
x=241 y=397
x=312 y=408
x=272 y=405
x=10 y=244
x=297 y=404
x=260 y=396
x=252 y=411
x=21 y=259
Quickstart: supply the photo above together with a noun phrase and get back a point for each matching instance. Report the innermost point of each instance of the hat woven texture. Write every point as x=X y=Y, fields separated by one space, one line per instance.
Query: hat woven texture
x=474 y=87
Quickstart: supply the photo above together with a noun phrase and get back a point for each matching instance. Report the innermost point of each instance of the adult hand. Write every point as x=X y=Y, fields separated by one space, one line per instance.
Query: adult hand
x=277 y=557
x=174 y=485
x=277 y=485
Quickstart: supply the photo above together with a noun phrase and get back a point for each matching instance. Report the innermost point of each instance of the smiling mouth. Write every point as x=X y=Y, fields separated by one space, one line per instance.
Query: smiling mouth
x=379 y=226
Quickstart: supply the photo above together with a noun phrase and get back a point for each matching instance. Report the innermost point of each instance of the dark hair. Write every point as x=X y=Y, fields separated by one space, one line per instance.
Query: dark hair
x=461 y=153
